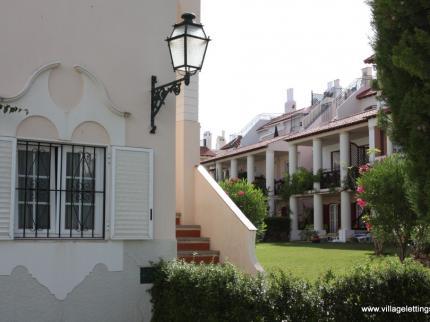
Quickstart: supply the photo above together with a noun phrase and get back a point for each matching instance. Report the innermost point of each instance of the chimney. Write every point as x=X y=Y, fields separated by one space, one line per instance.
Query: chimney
x=220 y=141
x=207 y=136
x=337 y=88
x=290 y=104
x=366 y=75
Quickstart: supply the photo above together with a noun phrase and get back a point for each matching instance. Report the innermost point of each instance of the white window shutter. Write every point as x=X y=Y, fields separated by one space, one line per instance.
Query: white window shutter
x=132 y=191
x=7 y=186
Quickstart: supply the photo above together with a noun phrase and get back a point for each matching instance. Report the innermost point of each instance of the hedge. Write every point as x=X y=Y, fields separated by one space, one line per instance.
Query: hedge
x=192 y=293
x=277 y=229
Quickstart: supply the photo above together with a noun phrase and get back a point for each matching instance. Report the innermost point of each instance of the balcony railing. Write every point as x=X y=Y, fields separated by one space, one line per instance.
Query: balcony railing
x=330 y=179
x=278 y=186
x=351 y=179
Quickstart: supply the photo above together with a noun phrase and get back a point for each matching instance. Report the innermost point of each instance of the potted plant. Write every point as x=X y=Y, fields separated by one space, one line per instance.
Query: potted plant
x=315 y=238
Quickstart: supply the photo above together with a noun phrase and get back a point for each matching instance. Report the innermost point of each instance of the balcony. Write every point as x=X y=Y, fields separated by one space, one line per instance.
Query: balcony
x=330 y=179
x=278 y=186
x=351 y=180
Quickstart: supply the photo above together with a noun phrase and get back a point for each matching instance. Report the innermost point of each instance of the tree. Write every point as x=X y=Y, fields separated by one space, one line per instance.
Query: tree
x=384 y=189
x=402 y=52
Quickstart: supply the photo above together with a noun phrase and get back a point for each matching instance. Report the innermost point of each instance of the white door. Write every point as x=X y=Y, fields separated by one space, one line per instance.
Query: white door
x=333 y=218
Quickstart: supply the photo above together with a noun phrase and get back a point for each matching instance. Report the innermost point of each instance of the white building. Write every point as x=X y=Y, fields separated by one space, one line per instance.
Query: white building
x=87 y=195
x=330 y=136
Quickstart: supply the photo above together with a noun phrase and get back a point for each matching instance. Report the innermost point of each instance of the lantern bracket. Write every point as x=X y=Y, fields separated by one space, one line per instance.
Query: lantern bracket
x=159 y=94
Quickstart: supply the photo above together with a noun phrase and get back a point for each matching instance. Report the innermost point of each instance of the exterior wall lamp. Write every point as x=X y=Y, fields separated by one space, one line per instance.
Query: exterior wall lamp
x=187 y=45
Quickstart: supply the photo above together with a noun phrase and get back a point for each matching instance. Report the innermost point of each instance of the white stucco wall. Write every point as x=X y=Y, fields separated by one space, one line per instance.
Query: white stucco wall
x=121 y=44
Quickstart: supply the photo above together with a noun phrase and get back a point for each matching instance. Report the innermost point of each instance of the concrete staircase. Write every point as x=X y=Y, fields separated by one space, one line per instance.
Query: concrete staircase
x=191 y=246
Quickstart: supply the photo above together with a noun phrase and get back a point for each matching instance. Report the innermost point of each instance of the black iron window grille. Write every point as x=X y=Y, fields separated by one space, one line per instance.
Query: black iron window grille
x=61 y=190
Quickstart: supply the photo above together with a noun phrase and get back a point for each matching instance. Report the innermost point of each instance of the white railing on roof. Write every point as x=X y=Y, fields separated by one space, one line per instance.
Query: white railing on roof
x=356 y=85
x=262 y=116
x=329 y=111
x=315 y=112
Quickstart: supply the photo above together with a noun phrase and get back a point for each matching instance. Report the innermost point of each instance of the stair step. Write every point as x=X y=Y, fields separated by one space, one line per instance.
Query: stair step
x=207 y=257
x=193 y=243
x=187 y=226
x=187 y=231
x=198 y=252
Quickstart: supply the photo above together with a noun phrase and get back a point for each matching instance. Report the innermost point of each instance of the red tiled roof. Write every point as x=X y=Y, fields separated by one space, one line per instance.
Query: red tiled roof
x=345 y=122
x=235 y=143
x=226 y=153
x=370 y=60
x=366 y=93
x=206 y=152
x=281 y=118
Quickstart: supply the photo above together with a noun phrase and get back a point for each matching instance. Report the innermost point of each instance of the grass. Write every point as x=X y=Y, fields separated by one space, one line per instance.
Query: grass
x=308 y=260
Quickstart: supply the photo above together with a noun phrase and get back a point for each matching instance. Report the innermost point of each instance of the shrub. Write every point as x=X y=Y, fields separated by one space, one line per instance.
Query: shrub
x=277 y=229
x=307 y=233
x=384 y=189
x=250 y=200
x=192 y=293
x=386 y=283
x=291 y=299
x=189 y=292
x=301 y=181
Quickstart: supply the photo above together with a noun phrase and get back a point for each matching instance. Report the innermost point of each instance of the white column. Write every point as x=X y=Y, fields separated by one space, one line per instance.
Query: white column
x=250 y=168
x=318 y=214
x=270 y=179
x=218 y=171
x=294 y=209
x=345 y=214
x=372 y=124
x=318 y=203
x=293 y=202
x=345 y=197
x=389 y=146
x=233 y=169
x=292 y=158
x=344 y=155
x=316 y=159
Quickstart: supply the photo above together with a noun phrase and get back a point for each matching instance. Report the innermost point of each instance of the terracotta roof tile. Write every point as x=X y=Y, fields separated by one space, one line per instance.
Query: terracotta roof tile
x=235 y=143
x=206 y=152
x=370 y=60
x=366 y=93
x=281 y=118
x=345 y=122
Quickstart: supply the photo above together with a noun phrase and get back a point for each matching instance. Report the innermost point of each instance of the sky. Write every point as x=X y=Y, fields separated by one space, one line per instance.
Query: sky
x=261 y=48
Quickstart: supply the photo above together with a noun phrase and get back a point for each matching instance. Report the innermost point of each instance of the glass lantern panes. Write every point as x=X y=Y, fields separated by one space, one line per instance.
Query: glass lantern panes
x=187 y=44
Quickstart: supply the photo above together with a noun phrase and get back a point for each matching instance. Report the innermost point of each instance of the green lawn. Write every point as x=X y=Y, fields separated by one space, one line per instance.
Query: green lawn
x=304 y=259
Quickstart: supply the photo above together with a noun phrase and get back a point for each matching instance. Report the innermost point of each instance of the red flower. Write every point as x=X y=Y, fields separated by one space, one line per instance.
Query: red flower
x=362 y=203
x=368 y=226
x=363 y=168
x=240 y=193
x=360 y=189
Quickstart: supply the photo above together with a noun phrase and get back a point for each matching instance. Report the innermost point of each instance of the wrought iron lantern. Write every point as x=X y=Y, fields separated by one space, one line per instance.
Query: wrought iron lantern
x=187 y=45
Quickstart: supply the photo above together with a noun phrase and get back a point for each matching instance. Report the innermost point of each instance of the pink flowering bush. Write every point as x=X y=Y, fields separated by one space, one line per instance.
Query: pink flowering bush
x=360 y=189
x=383 y=191
x=362 y=203
x=250 y=200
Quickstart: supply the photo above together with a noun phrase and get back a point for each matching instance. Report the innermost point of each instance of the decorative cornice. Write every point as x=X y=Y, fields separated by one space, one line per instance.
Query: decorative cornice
x=103 y=90
x=29 y=82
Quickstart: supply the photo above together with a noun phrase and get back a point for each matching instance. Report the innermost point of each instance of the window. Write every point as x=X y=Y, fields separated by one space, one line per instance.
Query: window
x=335 y=161
x=60 y=190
